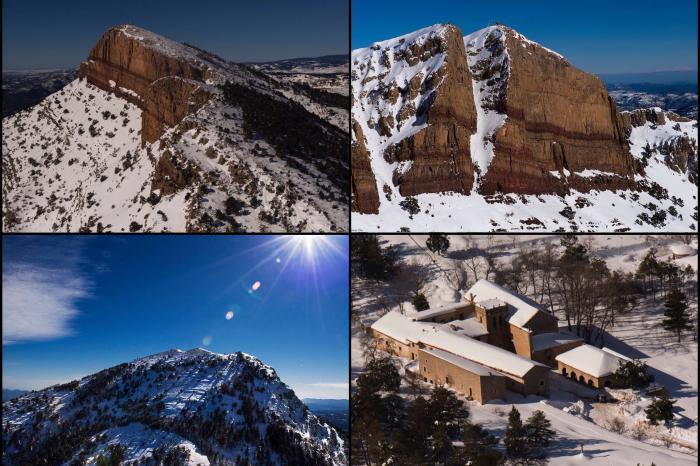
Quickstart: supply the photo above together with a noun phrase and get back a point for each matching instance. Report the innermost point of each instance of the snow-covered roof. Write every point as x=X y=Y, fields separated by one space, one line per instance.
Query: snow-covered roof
x=523 y=309
x=398 y=326
x=551 y=340
x=458 y=361
x=470 y=327
x=491 y=303
x=681 y=249
x=483 y=353
x=592 y=360
x=438 y=311
x=404 y=329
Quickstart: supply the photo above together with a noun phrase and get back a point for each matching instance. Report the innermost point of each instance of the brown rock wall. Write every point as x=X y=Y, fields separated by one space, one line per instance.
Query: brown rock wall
x=365 y=198
x=163 y=83
x=558 y=117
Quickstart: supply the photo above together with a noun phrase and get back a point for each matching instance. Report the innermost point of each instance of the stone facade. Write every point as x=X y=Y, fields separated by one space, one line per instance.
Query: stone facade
x=590 y=380
x=482 y=388
x=389 y=345
x=521 y=340
x=495 y=321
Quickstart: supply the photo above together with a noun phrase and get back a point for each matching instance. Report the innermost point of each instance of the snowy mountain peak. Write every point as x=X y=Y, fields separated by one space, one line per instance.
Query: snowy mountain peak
x=218 y=409
x=161 y=136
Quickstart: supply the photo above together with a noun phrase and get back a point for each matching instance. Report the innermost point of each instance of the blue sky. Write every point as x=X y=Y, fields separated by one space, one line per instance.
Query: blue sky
x=75 y=305
x=618 y=36
x=43 y=34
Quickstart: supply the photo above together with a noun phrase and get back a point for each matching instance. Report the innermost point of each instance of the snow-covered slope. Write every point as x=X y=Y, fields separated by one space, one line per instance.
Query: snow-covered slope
x=381 y=67
x=196 y=406
x=78 y=161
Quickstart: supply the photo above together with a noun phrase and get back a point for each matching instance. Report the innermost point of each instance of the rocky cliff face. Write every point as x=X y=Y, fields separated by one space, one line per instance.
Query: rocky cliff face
x=557 y=118
x=413 y=101
x=449 y=130
x=166 y=84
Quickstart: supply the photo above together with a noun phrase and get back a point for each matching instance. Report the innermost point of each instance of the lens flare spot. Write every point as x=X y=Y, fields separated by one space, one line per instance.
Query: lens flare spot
x=229 y=315
x=278 y=260
x=255 y=286
x=206 y=341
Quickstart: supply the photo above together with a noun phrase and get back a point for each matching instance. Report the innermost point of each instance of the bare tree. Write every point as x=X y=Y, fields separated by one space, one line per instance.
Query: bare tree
x=458 y=277
x=411 y=279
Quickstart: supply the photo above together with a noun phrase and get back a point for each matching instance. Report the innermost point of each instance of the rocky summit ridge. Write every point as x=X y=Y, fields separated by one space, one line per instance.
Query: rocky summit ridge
x=158 y=135
x=190 y=407
x=441 y=118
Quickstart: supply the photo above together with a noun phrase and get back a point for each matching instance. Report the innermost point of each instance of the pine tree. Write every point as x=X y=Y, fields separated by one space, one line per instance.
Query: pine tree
x=632 y=374
x=514 y=440
x=370 y=259
x=538 y=430
x=677 y=318
x=660 y=409
x=574 y=251
x=414 y=437
x=648 y=268
x=420 y=302
x=479 y=447
x=438 y=243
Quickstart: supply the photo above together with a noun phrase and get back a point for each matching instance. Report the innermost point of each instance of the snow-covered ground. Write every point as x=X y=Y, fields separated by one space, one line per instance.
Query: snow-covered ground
x=576 y=419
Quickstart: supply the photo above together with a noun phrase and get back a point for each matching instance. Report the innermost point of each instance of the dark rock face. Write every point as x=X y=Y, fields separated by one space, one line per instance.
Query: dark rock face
x=165 y=87
x=166 y=102
x=641 y=116
x=558 y=117
x=364 y=186
x=172 y=173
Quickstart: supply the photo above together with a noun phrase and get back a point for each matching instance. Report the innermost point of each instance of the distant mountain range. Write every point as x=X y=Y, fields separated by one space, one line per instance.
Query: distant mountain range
x=316 y=65
x=655 y=77
x=335 y=412
x=8 y=394
x=22 y=89
x=680 y=98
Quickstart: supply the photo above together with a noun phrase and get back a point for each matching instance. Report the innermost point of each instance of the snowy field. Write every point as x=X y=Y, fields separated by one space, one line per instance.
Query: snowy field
x=578 y=422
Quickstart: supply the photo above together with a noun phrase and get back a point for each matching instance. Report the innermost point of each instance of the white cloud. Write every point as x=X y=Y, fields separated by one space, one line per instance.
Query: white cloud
x=39 y=303
x=344 y=385
x=321 y=390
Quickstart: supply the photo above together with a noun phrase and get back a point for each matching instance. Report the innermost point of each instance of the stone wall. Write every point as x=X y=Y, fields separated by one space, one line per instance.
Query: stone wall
x=440 y=372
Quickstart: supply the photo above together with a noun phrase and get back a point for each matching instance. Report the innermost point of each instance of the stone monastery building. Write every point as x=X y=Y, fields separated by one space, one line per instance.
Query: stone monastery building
x=492 y=341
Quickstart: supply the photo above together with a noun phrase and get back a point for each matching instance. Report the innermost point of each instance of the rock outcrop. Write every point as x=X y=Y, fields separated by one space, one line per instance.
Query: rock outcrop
x=641 y=116
x=129 y=62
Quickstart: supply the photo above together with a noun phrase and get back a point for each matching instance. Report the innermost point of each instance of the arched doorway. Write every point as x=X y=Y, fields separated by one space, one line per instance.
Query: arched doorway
x=573 y=375
x=581 y=379
x=563 y=371
x=590 y=382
